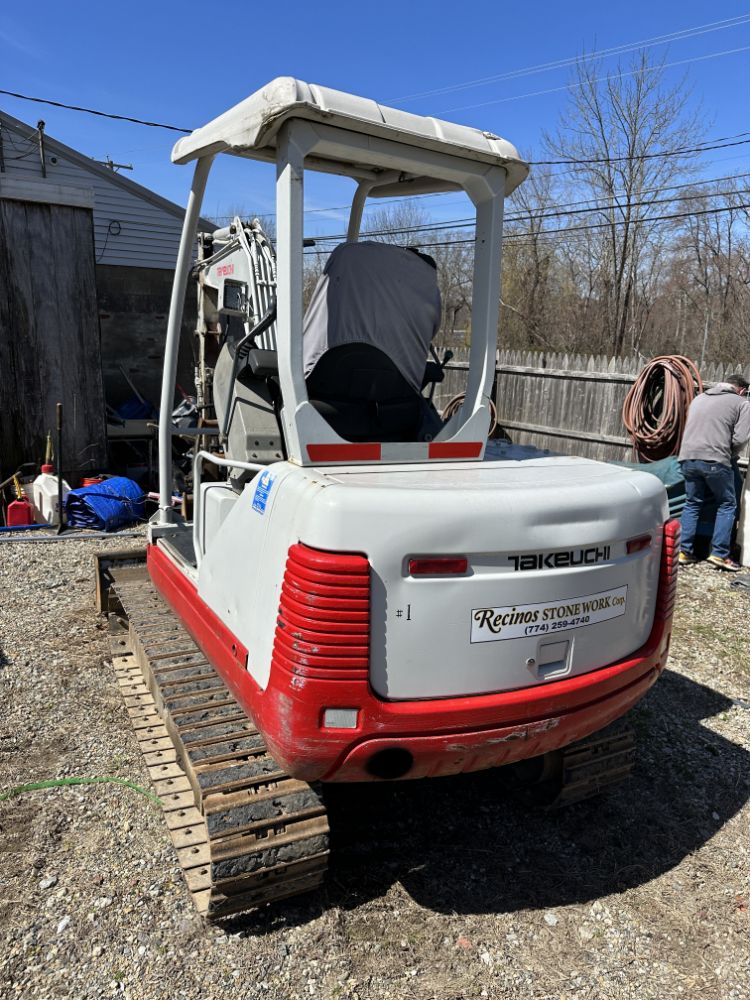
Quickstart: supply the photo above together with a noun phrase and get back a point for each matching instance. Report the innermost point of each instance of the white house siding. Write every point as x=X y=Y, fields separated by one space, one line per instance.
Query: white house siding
x=149 y=225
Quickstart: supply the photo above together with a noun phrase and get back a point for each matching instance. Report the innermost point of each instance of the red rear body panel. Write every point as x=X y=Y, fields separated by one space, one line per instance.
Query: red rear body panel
x=320 y=662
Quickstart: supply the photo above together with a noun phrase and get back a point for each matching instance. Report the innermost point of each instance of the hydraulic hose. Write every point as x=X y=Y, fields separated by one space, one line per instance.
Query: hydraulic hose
x=455 y=404
x=655 y=409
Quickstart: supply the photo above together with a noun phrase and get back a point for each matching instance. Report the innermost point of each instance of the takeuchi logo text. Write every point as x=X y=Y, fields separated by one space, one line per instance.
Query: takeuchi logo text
x=554 y=560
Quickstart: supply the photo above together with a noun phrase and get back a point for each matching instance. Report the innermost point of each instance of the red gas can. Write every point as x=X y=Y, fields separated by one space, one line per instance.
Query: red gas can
x=20 y=513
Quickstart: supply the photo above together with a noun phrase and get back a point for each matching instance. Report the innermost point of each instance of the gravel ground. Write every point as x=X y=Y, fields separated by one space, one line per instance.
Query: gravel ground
x=445 y=889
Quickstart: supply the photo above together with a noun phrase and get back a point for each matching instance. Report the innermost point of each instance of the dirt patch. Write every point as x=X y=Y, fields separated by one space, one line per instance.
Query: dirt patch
x=445 y=889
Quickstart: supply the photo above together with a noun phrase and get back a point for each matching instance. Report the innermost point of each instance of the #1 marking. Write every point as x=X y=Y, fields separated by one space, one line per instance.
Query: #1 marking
x=400 y=612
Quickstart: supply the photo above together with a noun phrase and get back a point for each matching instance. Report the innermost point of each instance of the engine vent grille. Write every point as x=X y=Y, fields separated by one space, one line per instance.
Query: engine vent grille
x=668 y=572
x=323 y=626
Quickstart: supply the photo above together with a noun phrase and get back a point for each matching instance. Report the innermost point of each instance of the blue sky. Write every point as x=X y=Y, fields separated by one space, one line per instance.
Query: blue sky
x=184 y=63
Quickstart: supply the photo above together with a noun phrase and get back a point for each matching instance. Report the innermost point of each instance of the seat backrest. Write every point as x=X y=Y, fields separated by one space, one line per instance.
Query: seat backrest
x=377 y=294
x=367 y=333
x=363 y=395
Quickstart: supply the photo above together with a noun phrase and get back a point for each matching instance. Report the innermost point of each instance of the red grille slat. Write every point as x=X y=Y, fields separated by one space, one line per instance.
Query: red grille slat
x=317 y=588
x=325 y=608
x=314 y=651
x=665 y=599
x=323 y=625
x=316 y=559
x=319 y=673
x=315 y=577
x=325 y=631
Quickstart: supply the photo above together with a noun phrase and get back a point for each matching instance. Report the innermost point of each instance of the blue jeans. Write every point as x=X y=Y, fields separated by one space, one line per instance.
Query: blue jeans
x=703 y=479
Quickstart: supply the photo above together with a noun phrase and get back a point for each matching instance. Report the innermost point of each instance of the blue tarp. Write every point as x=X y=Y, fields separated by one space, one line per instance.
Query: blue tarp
x=107 y=506
x=669 y=472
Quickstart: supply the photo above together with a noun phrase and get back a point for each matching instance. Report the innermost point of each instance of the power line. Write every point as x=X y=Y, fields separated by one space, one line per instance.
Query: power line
x=646 y=43
x=560 y=212
x=722 y=143
x=599 y=79
x=379 y=203
x=580 y=229
x=91 y=111
x=663 y=187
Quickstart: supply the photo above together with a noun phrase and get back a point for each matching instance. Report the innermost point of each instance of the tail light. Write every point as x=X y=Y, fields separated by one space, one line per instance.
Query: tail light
x=638 y=544
x=438 y=566
x=668 y=571
x=323 y=626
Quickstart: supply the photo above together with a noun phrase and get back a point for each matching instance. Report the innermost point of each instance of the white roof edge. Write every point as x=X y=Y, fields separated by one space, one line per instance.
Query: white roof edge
x=251 y=127
x=52 y=144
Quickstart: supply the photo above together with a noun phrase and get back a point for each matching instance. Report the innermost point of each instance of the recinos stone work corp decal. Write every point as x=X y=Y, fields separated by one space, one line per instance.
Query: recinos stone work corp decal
x=560 y=615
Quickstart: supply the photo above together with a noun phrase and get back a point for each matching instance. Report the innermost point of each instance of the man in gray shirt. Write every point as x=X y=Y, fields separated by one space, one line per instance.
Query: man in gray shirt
x=718 y=425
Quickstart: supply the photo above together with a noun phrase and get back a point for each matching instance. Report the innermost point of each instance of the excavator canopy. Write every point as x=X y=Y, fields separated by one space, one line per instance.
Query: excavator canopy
x=251 y=128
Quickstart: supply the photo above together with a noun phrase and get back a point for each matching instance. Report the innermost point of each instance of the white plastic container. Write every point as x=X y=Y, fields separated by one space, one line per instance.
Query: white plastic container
x=44 y=495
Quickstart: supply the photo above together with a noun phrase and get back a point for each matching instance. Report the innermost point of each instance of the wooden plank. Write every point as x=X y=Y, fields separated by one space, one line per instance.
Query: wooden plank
x=152 y=738
x=195 y=856
x=572 y=434
x=190 y=835
x=177 y=803
x=156 y=757
x=163 y=772
x=200 y=900
x=148 y=720
x=180 y=817
x=49 y=335
x=198 y=879
x=170 y=785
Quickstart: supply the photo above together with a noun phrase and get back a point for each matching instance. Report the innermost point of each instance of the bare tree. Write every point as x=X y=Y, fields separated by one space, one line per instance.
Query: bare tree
x=616 y=132
x=531 y=279
x=712 y=272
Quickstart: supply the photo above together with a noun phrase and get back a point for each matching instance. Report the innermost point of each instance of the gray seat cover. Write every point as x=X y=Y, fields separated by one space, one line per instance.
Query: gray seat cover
x=378 y=294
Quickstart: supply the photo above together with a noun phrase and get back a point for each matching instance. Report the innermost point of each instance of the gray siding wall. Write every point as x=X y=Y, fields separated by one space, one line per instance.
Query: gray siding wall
x=149 y=235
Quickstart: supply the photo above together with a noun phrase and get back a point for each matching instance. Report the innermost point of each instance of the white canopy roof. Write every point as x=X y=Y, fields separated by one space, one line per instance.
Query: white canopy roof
x=251 y=129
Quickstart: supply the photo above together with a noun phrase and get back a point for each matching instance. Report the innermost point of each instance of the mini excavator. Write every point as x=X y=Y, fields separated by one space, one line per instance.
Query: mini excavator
x=365 y=591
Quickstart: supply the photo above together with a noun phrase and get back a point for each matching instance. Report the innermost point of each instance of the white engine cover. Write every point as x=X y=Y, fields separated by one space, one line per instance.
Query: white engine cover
x=550 y=589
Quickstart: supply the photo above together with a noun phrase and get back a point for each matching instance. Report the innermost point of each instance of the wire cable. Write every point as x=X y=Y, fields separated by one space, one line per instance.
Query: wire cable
x=92 y=111
x=655 y=409
x=625 y=47
x=721 y=143
x=566 y=230
x=455 y=404
x=519 y=217
x=598 y=79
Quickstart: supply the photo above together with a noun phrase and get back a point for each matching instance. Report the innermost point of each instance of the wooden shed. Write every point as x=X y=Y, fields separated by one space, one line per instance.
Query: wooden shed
x=86 y=264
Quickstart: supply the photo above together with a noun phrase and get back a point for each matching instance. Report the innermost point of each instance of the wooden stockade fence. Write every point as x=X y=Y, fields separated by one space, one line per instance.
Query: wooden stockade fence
x=565 y=403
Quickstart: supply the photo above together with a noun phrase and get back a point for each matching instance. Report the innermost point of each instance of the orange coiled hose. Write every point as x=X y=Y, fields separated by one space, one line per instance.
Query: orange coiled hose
x=655 y=408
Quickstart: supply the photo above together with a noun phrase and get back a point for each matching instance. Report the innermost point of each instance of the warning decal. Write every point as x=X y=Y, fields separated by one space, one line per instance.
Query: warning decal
x=262 y=491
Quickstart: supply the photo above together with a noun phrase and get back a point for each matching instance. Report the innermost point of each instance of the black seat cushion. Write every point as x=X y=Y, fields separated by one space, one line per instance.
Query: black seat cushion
x=363 y=396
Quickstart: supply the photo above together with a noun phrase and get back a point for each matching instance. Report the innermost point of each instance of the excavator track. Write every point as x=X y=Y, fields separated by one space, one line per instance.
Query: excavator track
x=579 y=771
x=245 y=832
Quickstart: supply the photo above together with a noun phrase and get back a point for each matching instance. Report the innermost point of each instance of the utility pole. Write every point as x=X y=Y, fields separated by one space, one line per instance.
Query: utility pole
x=110 y=164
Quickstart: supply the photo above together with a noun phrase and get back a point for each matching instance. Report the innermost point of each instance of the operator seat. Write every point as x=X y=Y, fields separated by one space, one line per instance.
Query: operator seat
x=367 y=333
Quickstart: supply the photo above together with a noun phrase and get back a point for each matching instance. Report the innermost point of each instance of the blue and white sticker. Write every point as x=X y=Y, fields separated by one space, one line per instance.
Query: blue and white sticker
x=262 y=491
